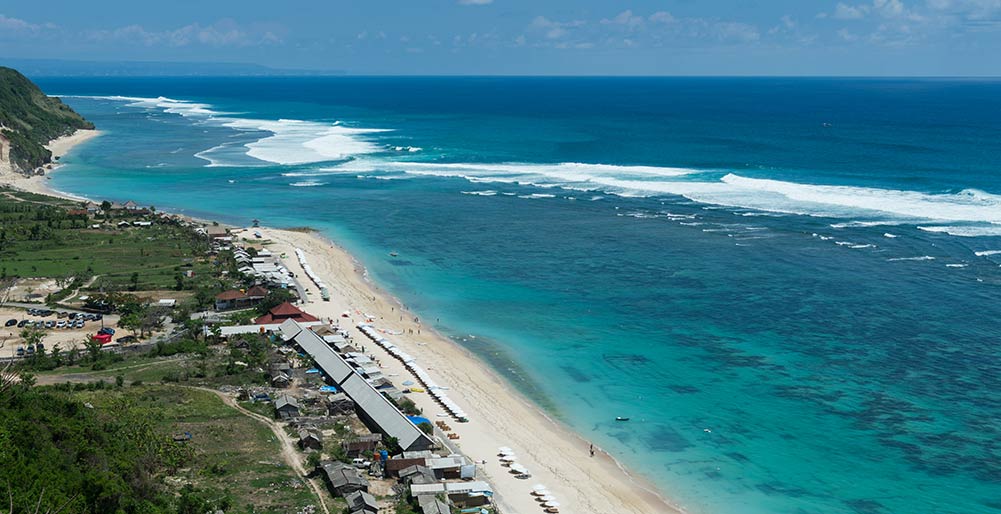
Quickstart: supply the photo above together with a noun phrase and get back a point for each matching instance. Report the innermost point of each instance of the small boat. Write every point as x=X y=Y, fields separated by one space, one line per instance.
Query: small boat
x=393 y=254
x=621 y=418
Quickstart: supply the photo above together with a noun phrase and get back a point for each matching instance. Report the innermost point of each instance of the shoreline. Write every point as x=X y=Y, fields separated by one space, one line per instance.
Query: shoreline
x=557 y=456
x=39 y=184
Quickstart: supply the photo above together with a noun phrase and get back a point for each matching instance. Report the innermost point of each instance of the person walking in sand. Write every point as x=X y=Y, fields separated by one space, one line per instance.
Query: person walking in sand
x=592 y=450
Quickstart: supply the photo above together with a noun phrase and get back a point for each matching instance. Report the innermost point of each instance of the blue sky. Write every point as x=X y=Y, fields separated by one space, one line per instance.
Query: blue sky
x=666 y=37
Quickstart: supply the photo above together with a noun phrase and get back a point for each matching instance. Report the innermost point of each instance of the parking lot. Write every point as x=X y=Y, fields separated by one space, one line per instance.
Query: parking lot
x=67 y=329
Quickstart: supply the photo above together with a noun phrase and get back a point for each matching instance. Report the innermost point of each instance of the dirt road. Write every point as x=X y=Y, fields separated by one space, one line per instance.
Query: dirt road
x=289 y=452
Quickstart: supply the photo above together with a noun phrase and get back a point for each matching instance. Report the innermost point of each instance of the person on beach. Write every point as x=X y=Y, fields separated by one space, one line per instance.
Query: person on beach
x=592 y=450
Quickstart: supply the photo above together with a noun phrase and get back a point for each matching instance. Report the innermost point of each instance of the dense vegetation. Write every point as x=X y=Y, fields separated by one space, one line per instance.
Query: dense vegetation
x=30 y=119
x=57 y=453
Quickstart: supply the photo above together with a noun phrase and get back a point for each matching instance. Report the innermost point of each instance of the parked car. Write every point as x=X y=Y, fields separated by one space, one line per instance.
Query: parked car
x=107 y=330
x=61 y=315
x=61 y=324
x=11 y=323
x=20 y=351
x=22 y=323
x=30 y=350
x=360 y=463
x=40 y=347
x=78 y=324
x=50 y=324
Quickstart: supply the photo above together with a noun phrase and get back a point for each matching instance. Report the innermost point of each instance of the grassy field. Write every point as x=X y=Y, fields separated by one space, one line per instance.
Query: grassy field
x=39 y=238
x=232 y=453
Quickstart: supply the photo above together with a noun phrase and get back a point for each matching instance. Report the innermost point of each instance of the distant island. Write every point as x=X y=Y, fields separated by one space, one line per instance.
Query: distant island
x=29 y=120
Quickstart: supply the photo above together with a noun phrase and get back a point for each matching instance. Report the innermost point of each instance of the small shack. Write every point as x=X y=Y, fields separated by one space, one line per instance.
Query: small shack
x=361 y=502
x=343 y=479
x=310 y=439
x=286 y=407
x=417 y=474
x=362 y=444
x=432 y=505
x=340 y=405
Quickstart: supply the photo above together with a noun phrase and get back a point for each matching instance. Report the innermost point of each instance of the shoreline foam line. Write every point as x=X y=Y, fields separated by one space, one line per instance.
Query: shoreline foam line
x=554 y=453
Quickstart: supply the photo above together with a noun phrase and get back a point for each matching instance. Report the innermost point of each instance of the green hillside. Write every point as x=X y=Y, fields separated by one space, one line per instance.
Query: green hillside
x=30 y=119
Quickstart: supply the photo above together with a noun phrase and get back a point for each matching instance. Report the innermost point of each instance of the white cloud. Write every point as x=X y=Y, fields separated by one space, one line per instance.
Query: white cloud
x=221 y=33
x=661 y=17
x=16 y=26
x=625 y=19
x=554 y=29
x=844 y=11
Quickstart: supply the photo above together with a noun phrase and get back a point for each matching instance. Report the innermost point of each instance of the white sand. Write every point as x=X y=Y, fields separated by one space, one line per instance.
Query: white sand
x=499 y=415
x=38 y=183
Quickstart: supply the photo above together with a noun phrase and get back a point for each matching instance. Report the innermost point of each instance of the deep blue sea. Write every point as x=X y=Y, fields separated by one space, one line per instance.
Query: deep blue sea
x=792 y=286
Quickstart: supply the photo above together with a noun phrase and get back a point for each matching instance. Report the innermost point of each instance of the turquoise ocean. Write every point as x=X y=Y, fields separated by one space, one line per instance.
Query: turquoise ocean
x=791 y=286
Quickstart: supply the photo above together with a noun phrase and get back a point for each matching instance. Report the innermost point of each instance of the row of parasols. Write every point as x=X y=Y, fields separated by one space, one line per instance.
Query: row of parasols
x=410 y=362
x=542 y=495
x=309 y=271
x=510 y=461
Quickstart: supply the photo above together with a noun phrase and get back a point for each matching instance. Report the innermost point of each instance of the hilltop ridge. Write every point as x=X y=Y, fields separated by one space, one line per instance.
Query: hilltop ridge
x=30 y=119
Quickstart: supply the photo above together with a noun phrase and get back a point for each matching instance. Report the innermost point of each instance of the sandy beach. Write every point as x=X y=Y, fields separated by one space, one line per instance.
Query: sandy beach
x=499 y=415
x=40 y=183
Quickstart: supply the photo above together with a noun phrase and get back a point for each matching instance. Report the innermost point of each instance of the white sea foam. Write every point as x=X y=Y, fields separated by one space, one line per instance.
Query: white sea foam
x=883 y=206
x=302 y=142
x=307 y=183
x=956 y=265
x=987 y=253
x=290 y=142
x=889 y=235
x=921 y=258
x=480 y=193
x=537 y=196
x=966 y=230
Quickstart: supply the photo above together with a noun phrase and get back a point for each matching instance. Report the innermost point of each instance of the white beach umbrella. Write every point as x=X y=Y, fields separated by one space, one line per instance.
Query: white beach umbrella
x=552 y=504
x=518 y=468
x=546 y=498
x=536 y=487
x=505 y=449
x=508 y=458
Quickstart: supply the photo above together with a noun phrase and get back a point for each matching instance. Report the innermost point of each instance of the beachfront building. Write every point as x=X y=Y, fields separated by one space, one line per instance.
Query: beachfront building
x=374 y=409
x=283 y=312
x=461 y=494
x=343 y=479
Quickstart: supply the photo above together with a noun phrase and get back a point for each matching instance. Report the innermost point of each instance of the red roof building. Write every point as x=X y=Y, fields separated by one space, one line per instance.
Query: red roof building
x=283 y=312
x=237 y=298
